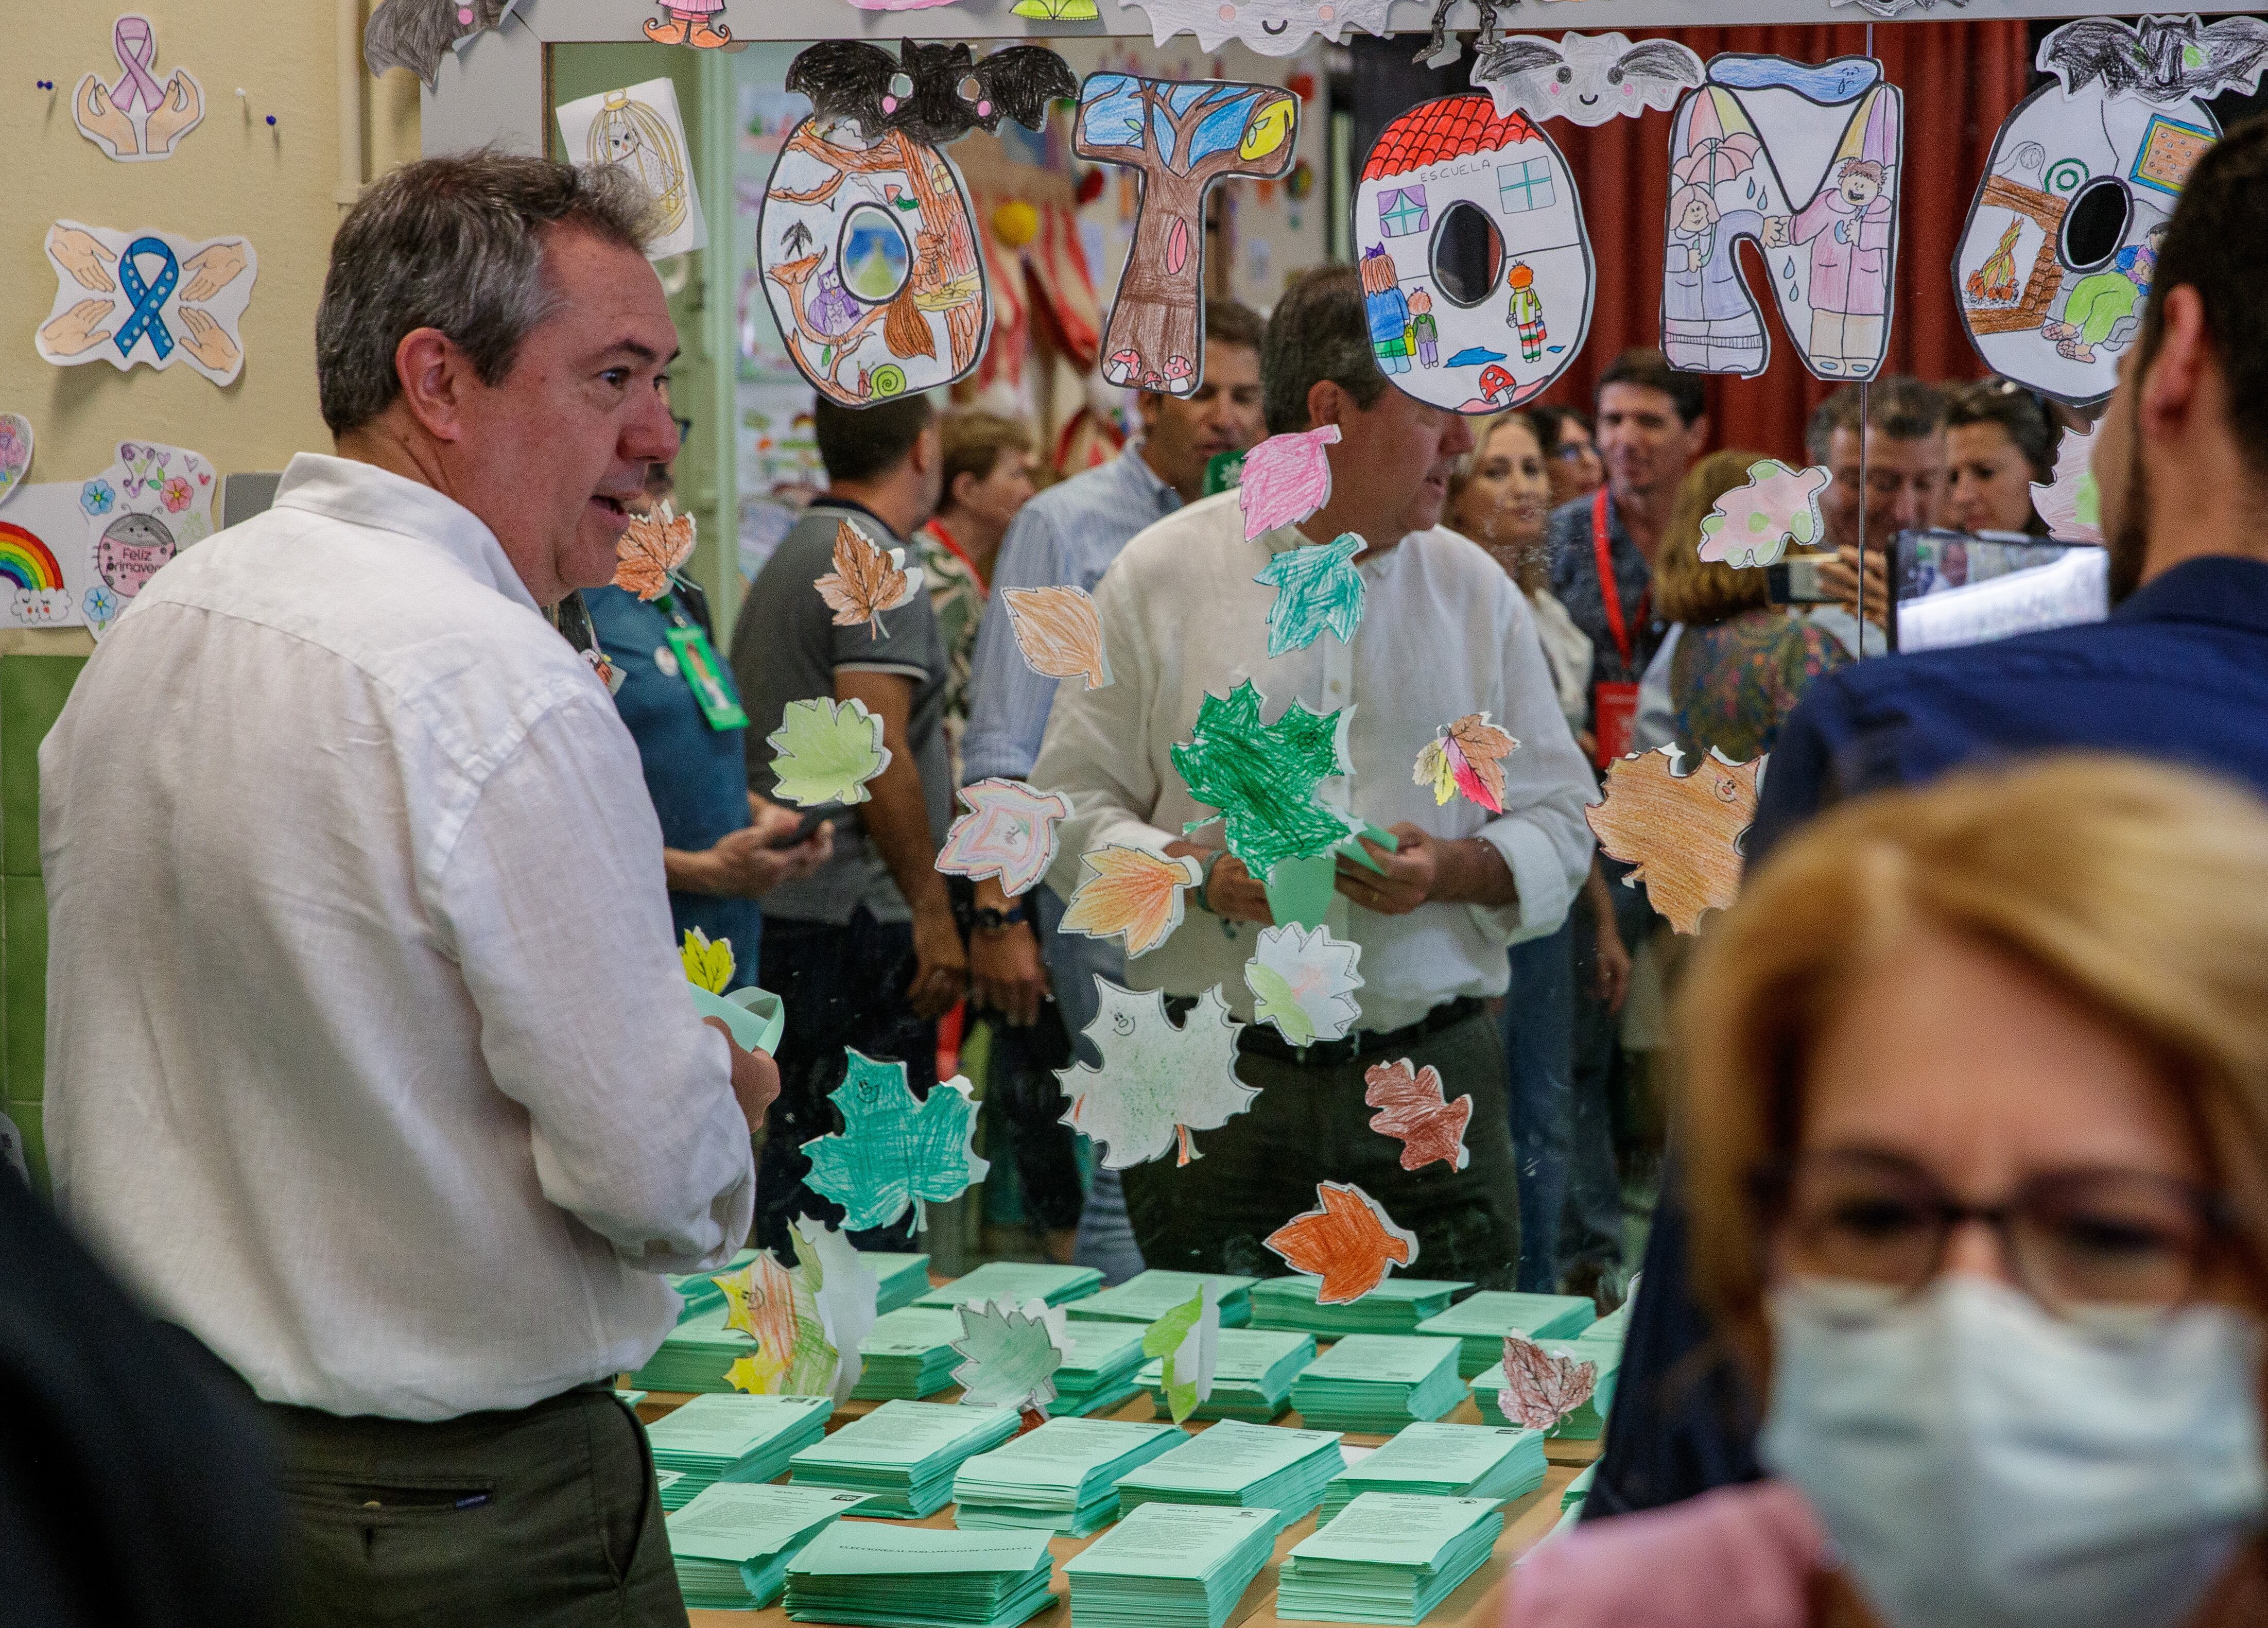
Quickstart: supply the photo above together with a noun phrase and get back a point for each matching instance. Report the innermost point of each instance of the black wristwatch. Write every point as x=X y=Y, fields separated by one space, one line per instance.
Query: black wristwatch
x=986 y=919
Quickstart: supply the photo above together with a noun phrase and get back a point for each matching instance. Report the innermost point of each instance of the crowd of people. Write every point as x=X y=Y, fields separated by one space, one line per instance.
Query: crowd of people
x=1952 y=1290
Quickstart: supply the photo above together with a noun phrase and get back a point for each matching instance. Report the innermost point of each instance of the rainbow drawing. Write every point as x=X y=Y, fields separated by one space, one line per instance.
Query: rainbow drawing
x=25 y=561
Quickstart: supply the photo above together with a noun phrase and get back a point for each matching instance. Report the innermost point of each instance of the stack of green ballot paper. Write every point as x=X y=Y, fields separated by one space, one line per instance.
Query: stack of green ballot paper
x=1252 y=1374
x=1387 y=1558
x=916 y=1577
x=1061 y=1477
x=698 y=1290
x=907 y=1354
x=1586 y=1423
x=695 y=1355
x=1378 y=1382
x=1147 y=1296
x=1255 y=1466
x=714 y=1439
x=1169 y=1565
x=732 y=1543
x=1482 y=1322
x=1016 y=1282
x=1100 y=1361
x=1494 y=1461
x=898 y=1277
x=1397 y=1306
x=905 y=1453
x=1580 y=1488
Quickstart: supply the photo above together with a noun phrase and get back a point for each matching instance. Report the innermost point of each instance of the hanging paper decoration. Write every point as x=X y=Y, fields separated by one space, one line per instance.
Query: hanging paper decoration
x=894 y=1151
x=1262 y=776
x=1412 y=1111
x=867 y=580
x=1271 y=27
x=1318 y=590
x=416 y=34
x=1467 y=756
x=1303 y=982
x=1348 y=1240
x=867 y=238
x=1179 y=138
x=825 y=751
x=1542 y=1386
x=1008 y=832
x=1681 y=831
x=15 y=452
x=640 y=130
x=691 y=22
x=1009 y=1357
x=1477 y=270
x=1830 y=260
x=1158 y=1081
x=147 y=299
x=844 y=1288
x=1284 y=479
x=648 y=554
x=777 y=1308
x=1754 y=523
x=137 y=118
x=2061 y=243
x=1585 y=78
x=2070 y=503
x=150 y=503
x=1186 y=1342
x=1123 y=889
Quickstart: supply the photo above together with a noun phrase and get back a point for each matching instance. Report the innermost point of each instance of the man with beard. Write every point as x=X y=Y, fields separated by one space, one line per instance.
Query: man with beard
x=2180 y=671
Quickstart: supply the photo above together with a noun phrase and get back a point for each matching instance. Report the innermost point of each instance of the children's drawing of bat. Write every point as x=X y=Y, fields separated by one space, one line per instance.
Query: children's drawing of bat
x=1586 y=78
x=2160 y=59
x=416 y=34
x=934 y=92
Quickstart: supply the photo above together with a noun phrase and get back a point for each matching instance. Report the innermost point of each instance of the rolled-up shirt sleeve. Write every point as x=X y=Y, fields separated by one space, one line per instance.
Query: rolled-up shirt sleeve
x=552 y=898
x=1542 y=834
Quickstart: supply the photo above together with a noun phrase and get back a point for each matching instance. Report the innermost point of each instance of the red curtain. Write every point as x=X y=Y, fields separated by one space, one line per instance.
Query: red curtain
x=1959 y=79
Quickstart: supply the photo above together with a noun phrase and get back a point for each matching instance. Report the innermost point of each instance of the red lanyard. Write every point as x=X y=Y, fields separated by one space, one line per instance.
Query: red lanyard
x=1610 y=593
x=953 y=545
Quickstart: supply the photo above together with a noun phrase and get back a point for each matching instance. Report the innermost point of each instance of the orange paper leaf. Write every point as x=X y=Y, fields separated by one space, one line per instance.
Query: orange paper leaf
x=654 y=546
x=1059 y=633
x=1349 y=1244
x=1132 y=891
x=1410 y=1107
x=1681 y=831
x=866 y=581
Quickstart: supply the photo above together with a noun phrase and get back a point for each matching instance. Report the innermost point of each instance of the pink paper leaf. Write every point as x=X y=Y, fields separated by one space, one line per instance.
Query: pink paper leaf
x=1286 y=478
x=1541 y=1388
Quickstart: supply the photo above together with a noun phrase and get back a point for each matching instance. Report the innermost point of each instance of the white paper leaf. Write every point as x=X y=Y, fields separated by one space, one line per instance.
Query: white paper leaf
x=1303 y=982
x=1157 y=1082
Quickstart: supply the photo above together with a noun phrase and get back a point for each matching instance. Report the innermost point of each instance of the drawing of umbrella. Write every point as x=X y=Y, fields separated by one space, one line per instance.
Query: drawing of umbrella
x=1717 y=158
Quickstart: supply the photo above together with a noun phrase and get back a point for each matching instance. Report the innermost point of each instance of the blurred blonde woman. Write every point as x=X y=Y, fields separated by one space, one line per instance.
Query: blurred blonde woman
x=1975 y=1101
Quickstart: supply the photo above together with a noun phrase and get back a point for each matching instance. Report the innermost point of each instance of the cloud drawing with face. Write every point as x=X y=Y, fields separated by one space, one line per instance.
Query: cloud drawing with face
x=1586 y=78
x=1271 y=27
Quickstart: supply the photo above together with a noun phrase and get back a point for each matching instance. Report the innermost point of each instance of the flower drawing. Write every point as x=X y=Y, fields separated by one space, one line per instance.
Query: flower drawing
x=175 y=495
x=96 y=497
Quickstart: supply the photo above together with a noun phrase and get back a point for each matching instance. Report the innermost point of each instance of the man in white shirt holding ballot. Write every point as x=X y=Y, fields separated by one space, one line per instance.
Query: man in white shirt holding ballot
x=370 y=1060
x=1442 y=635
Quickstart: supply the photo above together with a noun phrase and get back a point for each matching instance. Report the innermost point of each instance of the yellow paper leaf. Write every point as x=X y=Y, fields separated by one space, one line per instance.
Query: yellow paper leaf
x=708 y=962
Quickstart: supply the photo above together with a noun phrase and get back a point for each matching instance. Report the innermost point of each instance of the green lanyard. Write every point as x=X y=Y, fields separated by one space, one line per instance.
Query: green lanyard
x=711 y=682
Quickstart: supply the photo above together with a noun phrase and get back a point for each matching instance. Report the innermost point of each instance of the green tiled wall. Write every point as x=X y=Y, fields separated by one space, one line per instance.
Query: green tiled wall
x=32 y=689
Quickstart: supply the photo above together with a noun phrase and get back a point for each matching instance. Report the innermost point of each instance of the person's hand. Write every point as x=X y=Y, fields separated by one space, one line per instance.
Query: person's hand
x=181 y=107
x=1408 y=882
x=940 y=965
x=775 y=821
x=81 y=328
x=744 y=864
x=755 y=1078
x=1007 y=974
x=88 y=262
x=1840 y=577
x=210 y=269
x=1230 y=891
x=1611 y=976
x=206 y=340
x=1776 y=231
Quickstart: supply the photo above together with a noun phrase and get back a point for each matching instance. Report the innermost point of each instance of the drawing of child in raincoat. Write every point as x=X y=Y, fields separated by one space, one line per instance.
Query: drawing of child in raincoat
x=1847 y=227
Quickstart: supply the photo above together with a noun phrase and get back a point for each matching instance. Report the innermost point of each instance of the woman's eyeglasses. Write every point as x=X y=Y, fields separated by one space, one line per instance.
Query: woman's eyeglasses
x=2076 y=1240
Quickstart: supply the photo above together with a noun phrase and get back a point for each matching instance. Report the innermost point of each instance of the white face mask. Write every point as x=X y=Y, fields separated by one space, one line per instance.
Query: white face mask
x=1984 y=1464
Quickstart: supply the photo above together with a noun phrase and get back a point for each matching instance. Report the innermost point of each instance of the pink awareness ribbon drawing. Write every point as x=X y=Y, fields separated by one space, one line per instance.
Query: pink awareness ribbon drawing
x=136 y=46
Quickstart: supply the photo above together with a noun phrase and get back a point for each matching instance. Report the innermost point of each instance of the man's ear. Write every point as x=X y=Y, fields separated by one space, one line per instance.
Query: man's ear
x=1328 y=403
x=955 y=497
x=2174 y=380
x=435 y=377
x=1146 y=403
x=928 y=448
x=1696 y=437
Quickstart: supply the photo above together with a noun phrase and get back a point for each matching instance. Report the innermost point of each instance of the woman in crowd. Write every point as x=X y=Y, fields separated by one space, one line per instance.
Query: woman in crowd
x=1998 y=442
x=1571 y=458
x=1499 y=497
x=1741 y=662
x=1977 y=1107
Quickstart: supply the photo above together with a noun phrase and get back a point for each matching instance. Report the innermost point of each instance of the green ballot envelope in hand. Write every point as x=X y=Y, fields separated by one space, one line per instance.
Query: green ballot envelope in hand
x=754 y=1016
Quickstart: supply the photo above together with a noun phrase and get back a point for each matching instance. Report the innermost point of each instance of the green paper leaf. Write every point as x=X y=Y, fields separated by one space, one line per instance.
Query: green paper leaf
x=1262 y=776
x=1279 y=1004
x=893 y=1149
x=1163 y=1340
x=826 y=751
x=1010 y=1358
x=1317 y=588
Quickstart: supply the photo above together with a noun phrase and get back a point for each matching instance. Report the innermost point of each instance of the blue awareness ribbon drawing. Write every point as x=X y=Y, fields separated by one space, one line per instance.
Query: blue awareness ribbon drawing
x=149 y=297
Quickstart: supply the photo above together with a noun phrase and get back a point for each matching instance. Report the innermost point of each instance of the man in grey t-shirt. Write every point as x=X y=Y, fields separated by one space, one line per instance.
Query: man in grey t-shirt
x=863 y=950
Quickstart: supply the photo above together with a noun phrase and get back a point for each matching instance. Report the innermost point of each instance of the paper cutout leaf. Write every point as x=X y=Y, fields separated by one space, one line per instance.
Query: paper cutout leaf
x=1262 y=776
x=650 y=552
x=1541 y=1388
x=1130 y=890
x=416 y=34
x=1303 y=982
x=1349 y=1242
x=825 y=752
x=2070 y=503
x=894 y=1150
x=759 y=1375
x=137 y=118
x=1410 y=1109
x=844 y=1288
x=1008 y=832
x=1285 y=479
x=15 y=452
x=1157 y=1082
x=1585 y=78
x=773 y=1305
x=708 y=962
x=1681 y=831
x=866 y=581
x=1468 y=756
x=1754 y=524
x=1058 y=632
x=1010 y=1358
x=1186 y=1341
x=1317 y=588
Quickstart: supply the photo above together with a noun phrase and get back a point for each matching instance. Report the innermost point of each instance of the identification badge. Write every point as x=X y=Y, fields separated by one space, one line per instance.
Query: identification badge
x=1614 y=711
x=706 y=677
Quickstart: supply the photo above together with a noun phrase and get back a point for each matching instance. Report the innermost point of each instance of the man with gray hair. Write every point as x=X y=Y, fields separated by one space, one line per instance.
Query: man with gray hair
x=370 y=1060
x=1883 y=448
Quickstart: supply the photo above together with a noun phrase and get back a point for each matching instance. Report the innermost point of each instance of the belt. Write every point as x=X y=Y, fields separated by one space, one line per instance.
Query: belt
x=1262 y=1041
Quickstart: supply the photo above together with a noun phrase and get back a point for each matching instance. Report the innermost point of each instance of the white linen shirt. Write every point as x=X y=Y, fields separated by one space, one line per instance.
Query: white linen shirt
x=1443 y=633
x=369 y=1056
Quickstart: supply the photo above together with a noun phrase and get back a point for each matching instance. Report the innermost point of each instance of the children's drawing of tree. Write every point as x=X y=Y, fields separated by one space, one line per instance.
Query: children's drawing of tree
x=1181 y=137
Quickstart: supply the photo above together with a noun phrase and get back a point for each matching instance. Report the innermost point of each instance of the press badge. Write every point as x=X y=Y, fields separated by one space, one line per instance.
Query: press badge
x=705 y=676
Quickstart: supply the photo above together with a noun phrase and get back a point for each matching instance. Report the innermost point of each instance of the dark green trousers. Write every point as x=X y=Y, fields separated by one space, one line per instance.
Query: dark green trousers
x=548 y=1517
x=1309 y=1124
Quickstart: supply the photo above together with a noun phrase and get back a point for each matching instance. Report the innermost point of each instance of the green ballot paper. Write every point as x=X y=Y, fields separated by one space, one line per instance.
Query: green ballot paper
x=697 y=1292
x=1494 y=1461
x=916 y=1577
x=907 y=1354
x=1061 y=1477
x=1252 y=1374
x=714 y=1439
x=1016 y=1281
x=1387 y=1558
x=1169 y=1565
x=1147 y=1296
x=1100 y=1362
x=696 y=1354
x=1254 y=1466
x=897 y=1277
x=905 y=1453
x=732 y=1543
x=1378 y=1382
x=1397 y=1306
x=1482 y=1320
